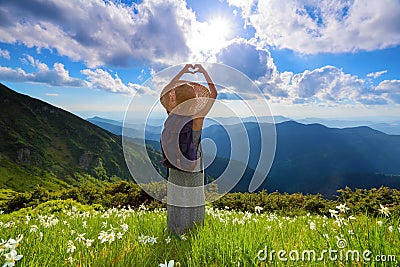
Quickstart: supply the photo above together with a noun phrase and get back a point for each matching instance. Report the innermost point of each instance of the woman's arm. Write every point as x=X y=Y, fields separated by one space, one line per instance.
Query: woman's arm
x=198 y=121
x=211 y=85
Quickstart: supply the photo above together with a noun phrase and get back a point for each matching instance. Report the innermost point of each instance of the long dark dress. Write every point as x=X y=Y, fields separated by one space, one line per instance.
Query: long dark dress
x=181 y=219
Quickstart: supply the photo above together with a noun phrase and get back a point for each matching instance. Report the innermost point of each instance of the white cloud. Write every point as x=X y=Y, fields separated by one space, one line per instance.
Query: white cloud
x=376 y=74
x=313 y=26
x=5 y=53
x=57 y=76
x=326 y=86
x=256 y=63
x=244 y=56
x=101 y=32
x=103 y=80
x=108 y=33
x=389 y=86
x=327 y=83
x=390 y=89
x=245 y=6
x=52 y=94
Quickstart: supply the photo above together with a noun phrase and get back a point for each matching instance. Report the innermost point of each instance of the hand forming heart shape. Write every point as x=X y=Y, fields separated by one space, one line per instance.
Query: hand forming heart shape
x=193 y=69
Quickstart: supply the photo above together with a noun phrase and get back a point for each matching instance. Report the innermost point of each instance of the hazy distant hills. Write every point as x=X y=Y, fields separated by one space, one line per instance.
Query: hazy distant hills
x=391 y=127
x=43 y=144
x=311 y=158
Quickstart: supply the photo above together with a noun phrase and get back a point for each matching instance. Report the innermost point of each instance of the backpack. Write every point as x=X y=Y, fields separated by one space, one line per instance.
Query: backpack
x=176 y=141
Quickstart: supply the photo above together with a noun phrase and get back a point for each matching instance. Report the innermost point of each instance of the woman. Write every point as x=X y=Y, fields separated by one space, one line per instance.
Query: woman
x=187 y=104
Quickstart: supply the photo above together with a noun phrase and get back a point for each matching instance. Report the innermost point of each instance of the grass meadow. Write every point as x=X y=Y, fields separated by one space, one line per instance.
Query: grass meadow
x=67 y=233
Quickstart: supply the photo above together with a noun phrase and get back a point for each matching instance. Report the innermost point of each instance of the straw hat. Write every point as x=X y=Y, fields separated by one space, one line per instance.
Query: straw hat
x=168 y=99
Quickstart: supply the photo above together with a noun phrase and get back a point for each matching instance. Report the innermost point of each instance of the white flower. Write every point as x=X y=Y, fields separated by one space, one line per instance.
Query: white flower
x=124 y=227
x=171 y=263
x=11 y=258
x=70 y=259
x=258 y=209
x=168 y=240
x=147 y=239
x=80 y=237
x=120 y=235
x=88 y=242
x=342 y=208
x=11 y=244
x=142 y=239
x=142 y=207
x=379 y=223
x=103 y=237
x=339 y=221
x=351 y=232
x=152 y=240
x=70 y=247
x=111 y=237
x=84 y=224
x=326 y=236
x=105 y=224
x=34 y=228
x=351 y=217
x=384 y=210
x=390 y=228
x=312 y=226
x=28 y=218
x=183 y=237
x=333 y=212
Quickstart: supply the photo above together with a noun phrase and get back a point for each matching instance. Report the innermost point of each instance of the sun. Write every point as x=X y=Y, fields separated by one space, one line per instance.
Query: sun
x=211 y=35
x=219 y=28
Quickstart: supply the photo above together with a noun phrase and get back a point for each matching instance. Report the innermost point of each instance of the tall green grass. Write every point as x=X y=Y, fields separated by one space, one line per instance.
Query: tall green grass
x=58 y=233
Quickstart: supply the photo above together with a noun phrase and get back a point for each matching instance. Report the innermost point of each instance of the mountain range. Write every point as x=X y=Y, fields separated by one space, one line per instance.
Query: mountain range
x=309 y=158
x=43 y=144
x=388 y=125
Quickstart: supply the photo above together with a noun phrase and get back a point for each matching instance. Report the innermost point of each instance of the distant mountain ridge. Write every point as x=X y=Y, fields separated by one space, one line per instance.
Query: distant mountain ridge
x=388 y=127
x=391 y=127
x=313 y=158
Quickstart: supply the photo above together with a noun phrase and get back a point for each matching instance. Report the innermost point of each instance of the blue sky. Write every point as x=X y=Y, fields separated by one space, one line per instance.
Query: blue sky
x=337 y=59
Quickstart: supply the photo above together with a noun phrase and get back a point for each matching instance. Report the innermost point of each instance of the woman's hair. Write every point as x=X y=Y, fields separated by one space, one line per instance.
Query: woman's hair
x=184 y=92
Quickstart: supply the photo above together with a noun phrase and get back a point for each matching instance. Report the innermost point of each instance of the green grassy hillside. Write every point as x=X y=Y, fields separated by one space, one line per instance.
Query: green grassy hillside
x=43 y=144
